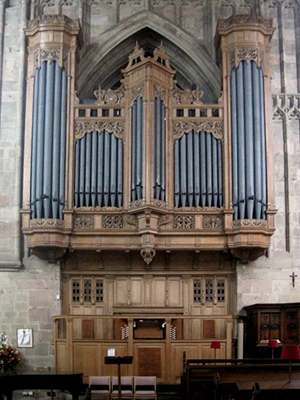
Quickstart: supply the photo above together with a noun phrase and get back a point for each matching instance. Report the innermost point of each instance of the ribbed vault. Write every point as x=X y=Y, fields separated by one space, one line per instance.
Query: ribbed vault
x=102 y=62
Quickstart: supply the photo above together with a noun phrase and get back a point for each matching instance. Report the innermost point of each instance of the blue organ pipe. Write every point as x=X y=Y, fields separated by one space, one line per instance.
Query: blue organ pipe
x=241 y=139
x=77 y=164
x=203 y=169
x=48 y=139
x=257 y=142
x=106 y=167
x=82 y=171
x=190 y=163
x=120 y=173
x=163 y=152
x=139 y=149
x=100 y=169
x=157 y=156
x=249 y=148
x=40 y=141
x=94 y=168
x=176 y=173
x=34 y=144
x=183 y=181
x=133 y=150
x=62 y=160
x=220 y=174
x=113 y=171
x=87 y=180
x=215 y=172
x=208 y=169
x=56 y=140
x=263 y=145
x=196 y=168
x=234 y=144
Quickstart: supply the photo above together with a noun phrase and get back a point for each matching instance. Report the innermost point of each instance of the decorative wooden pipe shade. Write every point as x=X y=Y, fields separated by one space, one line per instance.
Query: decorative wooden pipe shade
x=149 y=159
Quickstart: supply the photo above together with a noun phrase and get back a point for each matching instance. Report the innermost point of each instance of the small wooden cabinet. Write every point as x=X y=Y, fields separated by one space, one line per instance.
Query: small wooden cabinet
x=271 y=321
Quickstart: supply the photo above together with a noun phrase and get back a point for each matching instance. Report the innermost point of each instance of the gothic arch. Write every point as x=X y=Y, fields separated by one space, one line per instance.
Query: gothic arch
x=103 y=60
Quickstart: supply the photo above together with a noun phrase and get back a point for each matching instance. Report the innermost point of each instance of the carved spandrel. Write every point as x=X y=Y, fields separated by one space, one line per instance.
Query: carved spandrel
x=180 y=128
x=83 y=127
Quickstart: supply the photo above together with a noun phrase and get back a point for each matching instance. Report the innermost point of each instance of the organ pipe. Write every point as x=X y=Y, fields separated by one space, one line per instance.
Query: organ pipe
x=48 y=141
x=198 y=171
x=137 y=150
x=160 y=150
x=99 y=164
x=249 y=175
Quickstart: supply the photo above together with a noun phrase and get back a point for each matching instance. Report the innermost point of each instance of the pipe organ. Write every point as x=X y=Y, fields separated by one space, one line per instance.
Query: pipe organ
x=168 y=171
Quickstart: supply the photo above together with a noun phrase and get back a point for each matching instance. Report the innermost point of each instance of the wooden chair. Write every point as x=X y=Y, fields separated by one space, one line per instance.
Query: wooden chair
x=145 y=387
x=99 y=387
x=126 y=387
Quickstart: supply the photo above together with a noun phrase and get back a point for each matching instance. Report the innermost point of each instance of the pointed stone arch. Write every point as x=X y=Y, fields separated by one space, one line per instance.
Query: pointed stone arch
x=104 y=59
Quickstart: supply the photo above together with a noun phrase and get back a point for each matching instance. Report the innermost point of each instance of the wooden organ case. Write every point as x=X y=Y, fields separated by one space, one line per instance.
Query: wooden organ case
x=143 y=196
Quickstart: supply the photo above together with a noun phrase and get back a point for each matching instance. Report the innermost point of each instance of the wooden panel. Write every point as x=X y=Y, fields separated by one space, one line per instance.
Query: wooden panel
x=88 y=329
x=62 y=360
x=121 y=292
x=136 y=293
x=159 y=292
x=108 y=369
x=85 y=358
x=209 y=329
x=177 y=358
x=175 y=292
x=149 y=361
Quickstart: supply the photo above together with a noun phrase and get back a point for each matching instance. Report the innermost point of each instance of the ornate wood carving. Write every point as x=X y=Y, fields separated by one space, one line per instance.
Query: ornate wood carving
x=110 y=97
x=181 y=127
x=49 y=223
x=180 y=96
x=184 y=222
x=148 y=253
x=84 y=221
x=137 y=91
x=212 y=222
x=250 y=223
x=112 y=126
x=160 y=92
x=112 y=222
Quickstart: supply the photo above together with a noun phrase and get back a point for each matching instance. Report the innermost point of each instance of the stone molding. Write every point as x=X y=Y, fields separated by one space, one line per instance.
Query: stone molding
x=286 y=106
x=115 y=127
x=213 y=127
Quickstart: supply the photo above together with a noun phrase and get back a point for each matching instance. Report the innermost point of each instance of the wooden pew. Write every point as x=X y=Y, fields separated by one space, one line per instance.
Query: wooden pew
x=239 y=379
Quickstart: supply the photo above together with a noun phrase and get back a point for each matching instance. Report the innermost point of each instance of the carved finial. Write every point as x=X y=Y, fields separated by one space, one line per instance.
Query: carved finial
x=136 y=56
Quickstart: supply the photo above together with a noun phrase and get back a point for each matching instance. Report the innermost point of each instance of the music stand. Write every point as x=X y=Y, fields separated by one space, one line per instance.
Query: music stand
x=118 y=361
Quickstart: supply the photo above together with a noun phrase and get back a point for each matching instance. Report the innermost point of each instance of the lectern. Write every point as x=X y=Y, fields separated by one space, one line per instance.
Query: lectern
x=119 y=361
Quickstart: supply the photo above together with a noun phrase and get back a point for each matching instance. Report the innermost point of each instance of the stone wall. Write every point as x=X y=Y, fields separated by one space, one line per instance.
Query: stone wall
x=28 y=299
